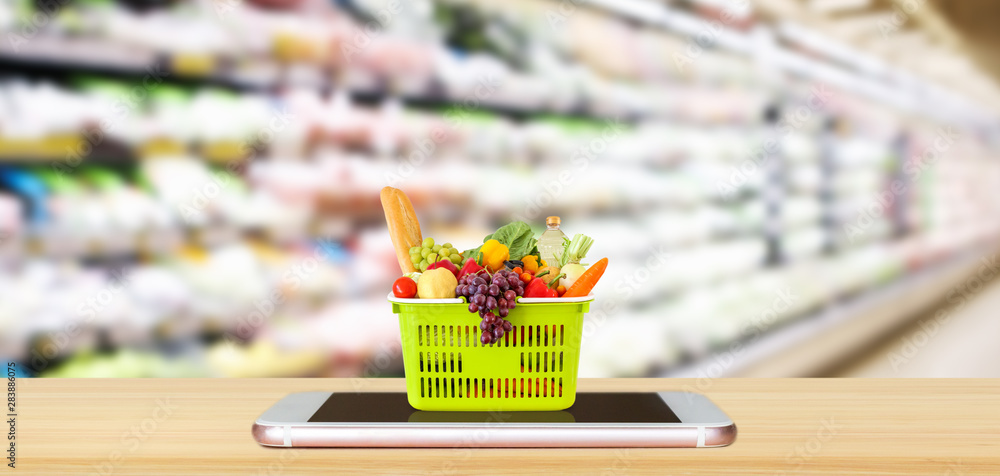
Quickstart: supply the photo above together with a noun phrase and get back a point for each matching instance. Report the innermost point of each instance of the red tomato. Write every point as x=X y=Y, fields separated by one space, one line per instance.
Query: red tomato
x=404 y=288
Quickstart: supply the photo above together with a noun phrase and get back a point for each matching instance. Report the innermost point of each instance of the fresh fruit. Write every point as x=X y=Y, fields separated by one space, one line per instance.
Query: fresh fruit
x=446 y=264
x=494 y=274
x=487 y=293
x=404 y=288
x=428 y=252
x=437 y=283
x=404 y=229
x=588 y=279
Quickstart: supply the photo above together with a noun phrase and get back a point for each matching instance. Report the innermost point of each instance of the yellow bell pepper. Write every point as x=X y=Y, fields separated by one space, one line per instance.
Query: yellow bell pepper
x=494 y=254
x=530 y=263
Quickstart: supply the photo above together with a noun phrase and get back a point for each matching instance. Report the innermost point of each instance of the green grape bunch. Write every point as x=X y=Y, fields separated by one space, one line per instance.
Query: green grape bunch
x=429 y=253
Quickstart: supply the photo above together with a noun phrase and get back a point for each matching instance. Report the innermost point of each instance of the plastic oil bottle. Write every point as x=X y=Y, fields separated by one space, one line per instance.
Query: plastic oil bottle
x=550 y=244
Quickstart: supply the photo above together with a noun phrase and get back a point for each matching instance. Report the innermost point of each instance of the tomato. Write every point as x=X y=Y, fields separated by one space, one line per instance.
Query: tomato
x=526 y=277
x=404 y=288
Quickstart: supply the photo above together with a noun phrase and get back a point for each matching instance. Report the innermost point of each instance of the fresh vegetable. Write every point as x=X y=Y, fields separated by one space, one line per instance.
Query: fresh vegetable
x=446 y=264
x=585 y=283
x=573 y=272
x=548 y=273
x=493 y=255
x=404 y=288
x=530 y=263
x=539 y=288
x=507 y=263
x=516 y=236
x=437 y=283
x=575 y=250
x=470 y=267
x=569 y=261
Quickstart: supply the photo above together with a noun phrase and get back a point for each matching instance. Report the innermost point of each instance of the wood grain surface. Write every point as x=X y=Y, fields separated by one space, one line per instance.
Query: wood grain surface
x=786 y=426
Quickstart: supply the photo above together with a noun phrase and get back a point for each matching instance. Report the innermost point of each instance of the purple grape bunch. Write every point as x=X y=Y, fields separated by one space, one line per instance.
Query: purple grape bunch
x=486 y=293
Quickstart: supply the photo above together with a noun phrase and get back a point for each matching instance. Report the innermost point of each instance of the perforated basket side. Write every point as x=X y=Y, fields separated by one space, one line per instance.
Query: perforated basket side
x=533 y=367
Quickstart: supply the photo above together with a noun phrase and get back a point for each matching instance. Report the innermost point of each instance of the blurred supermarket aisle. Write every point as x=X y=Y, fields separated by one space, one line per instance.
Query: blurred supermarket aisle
x=965 y=345
x=190 y=188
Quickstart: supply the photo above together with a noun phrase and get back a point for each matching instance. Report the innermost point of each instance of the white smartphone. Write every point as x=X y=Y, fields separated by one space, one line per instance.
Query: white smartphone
x=349 y=419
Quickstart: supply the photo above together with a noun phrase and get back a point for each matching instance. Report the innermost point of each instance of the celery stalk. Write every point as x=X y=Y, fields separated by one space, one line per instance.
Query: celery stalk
x=575 y=250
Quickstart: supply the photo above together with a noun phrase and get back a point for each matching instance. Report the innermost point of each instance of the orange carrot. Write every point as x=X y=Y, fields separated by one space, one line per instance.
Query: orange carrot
x=585 y=283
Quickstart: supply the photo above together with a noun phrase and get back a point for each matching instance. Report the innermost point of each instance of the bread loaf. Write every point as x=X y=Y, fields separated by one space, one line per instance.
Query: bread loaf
x=403 y=225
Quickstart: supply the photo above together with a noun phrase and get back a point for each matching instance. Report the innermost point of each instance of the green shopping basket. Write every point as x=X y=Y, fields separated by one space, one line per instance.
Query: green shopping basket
x=533 y=367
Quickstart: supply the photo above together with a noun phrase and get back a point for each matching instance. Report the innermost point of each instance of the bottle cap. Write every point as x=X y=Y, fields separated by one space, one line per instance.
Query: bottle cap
x=552 y=221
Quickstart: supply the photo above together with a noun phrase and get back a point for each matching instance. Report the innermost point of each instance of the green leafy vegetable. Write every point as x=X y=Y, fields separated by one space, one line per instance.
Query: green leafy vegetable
x=518 y=238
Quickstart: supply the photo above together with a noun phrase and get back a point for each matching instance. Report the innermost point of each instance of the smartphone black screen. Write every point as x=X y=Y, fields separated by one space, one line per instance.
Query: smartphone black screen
x=589 y=408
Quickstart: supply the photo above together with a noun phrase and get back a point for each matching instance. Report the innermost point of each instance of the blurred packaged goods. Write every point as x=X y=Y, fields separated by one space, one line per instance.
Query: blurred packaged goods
x=190 y=188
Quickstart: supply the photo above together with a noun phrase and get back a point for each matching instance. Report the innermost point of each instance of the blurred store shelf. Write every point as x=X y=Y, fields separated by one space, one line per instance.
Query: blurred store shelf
x=55 y=55
x=239 y=196
x=955 y=339
x=842 y=329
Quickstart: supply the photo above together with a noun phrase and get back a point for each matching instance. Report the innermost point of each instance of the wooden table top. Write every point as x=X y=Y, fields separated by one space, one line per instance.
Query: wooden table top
x=786 y=426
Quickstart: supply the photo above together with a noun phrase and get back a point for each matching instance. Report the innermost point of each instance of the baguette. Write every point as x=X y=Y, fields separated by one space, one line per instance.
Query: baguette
x=403 y=225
